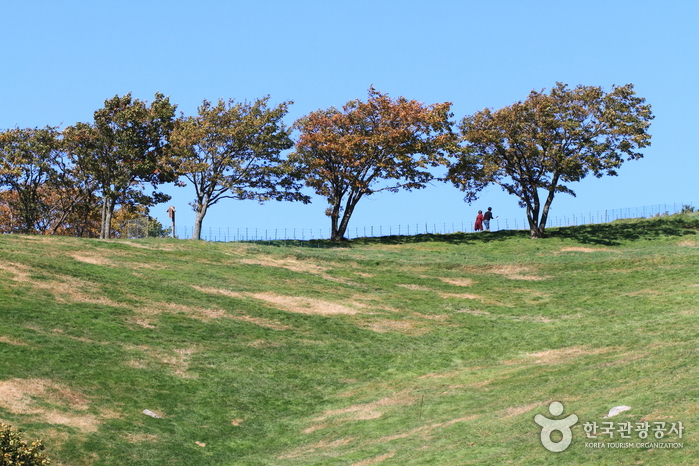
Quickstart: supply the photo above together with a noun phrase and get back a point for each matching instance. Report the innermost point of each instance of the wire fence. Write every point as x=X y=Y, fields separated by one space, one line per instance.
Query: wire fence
x=226 y=234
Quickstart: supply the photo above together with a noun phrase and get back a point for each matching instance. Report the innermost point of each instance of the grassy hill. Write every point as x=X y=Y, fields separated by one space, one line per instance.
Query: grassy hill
x=424 y=350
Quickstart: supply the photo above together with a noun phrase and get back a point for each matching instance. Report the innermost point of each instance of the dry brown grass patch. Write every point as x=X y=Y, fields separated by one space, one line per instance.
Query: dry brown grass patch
x=581 y=249
x=298 y=304
x=511 y=271
x=474 y=312
x=92 y=259
x=11 y=341
x=322 y=445
x=261 y=322
x=140 y=438
x=303 y=305
x=415 y=287
x=18 y=396
x=177 y=360
x=477 y=297
x=295 y=265
x=560 y=356
x=64 y=289
x=688 y=243
x=374 y=460
x=151 y=246
x=288 y=263
x=143 y=314
x=518 y=410
x=401 y=326
x=458 y=281
x=372 y=410
x=439 y=376
x=210 y=290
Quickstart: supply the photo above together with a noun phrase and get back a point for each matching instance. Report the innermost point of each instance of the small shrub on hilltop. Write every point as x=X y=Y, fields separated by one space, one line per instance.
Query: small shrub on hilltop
x=16 y=452
x=687 y=209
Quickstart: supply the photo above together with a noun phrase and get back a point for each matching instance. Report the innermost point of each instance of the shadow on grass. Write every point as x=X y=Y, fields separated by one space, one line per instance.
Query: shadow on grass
x=607 y=234
x=614 y=233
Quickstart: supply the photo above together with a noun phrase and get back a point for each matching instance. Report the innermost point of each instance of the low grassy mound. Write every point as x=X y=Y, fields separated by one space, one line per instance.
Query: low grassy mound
x=431 y=349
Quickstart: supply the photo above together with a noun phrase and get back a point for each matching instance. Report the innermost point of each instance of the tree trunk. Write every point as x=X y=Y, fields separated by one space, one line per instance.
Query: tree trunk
x=339 y=235
x=107 y=211
x=547 y=205
x=199 y=218
x=334 y=220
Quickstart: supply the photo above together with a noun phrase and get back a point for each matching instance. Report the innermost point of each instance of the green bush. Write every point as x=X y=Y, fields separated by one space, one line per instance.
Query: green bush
x=687 y=209
x=15 y=452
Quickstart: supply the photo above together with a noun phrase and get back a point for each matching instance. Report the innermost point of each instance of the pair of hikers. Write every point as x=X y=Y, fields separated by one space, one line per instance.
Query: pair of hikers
x=483 y=220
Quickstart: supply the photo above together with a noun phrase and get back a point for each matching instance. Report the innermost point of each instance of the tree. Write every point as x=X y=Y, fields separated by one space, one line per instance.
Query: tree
x=550 y=140
x=28 y=166
x=382 y=144
x=232 y=151
x=126 y=147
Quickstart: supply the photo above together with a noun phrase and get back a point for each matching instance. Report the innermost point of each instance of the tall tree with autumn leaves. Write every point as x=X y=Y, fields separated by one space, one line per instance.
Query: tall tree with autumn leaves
x=535 y=148
x=382 y=144
x=28 y=166
x=125 y=148
x=232 y=150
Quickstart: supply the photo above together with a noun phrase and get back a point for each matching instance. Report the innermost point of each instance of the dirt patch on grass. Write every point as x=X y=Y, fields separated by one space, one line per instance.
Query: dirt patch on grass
x=473 y=312
x=401 y=326
x=91 y=259
x=511 y=271
x=688 y=243
x=143 y=315
x=439 y=376
x=458 y=281
x=538 y=318
x=64 y=288
x=20 y=397
x=153 y=247
x=423 y=431
x=415 y=287
x=374 y=460
x=11 y=341
x=322 y=445
x=304 y=305
x=177 y=360
x=140 y=438
x=477 y=297
x=581 y=249
x=560 y=356
x=365 y=411
x=296 y=304
x=261 y=322
x=295 y=265
x=288 y=263
x=210 y=290
x=519 y=410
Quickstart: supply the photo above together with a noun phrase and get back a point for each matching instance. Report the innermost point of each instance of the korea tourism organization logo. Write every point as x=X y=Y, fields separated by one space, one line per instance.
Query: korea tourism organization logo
x=549 y=426
x=557 y=435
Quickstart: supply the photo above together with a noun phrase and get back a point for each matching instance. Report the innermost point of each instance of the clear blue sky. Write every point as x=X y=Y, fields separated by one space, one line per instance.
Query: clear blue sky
x=61 y=60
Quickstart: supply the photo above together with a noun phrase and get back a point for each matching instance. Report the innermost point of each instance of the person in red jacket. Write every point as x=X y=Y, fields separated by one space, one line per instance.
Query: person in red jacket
x=479 y=221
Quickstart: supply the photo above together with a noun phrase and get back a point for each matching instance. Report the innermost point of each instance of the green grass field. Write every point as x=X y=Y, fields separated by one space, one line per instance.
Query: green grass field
x=423 y=350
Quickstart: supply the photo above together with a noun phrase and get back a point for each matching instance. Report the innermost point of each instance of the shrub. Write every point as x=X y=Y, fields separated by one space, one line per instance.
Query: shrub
x=687 y=209
x=16 y=452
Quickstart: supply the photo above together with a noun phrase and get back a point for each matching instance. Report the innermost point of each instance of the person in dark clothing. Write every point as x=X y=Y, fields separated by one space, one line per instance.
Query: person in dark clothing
x=487 y=217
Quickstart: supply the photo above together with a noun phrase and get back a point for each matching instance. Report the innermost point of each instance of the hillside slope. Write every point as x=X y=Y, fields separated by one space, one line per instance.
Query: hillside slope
x=394 y=351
